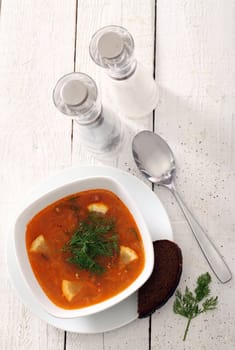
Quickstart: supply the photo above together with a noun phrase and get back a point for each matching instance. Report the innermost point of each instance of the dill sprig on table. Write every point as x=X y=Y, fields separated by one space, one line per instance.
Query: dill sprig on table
x=95 y=237
x=187 y=305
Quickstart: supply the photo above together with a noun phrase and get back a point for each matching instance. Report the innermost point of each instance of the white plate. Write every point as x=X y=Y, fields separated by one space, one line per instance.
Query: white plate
x=159 y=227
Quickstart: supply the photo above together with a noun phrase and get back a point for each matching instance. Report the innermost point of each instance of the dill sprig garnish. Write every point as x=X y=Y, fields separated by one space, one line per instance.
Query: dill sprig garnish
x=95 y=237
x=187 y=305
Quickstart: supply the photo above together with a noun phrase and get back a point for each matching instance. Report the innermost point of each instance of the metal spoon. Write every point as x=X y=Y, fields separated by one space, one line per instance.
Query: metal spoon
x=155 y=160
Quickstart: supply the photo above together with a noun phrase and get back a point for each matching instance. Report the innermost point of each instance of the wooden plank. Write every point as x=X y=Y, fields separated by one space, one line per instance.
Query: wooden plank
x=138 y=18
x=34 y=133
x=34 y=139
x=195 y=70
x=132 y=336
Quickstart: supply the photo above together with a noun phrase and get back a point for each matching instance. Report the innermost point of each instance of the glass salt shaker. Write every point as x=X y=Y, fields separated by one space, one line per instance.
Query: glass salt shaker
x=76 y=96
x=130 y=86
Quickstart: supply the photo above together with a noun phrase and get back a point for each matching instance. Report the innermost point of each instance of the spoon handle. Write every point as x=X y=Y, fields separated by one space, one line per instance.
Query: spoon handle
x=213 y=257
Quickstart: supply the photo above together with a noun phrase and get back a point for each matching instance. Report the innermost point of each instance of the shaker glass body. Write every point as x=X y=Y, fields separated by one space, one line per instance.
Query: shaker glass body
x=134 y=97
x=129 y=85
x=76 y=96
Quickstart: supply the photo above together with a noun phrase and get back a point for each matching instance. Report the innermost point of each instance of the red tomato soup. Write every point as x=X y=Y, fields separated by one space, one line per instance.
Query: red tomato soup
x=84 y=248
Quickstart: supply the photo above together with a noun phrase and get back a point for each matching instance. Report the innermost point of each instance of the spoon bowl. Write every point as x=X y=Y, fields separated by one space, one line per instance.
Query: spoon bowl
x=156 y=161
x=159 y=162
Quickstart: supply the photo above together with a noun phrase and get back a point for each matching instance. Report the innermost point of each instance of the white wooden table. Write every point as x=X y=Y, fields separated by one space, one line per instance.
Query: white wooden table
x=190 y=47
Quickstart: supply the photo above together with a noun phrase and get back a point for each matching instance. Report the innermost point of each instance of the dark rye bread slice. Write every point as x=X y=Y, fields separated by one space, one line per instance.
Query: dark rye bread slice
x=164 y=279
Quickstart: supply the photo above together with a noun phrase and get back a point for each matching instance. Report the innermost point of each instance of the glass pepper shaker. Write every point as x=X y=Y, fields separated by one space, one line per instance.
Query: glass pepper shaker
x=129 y=85
x=76 y=96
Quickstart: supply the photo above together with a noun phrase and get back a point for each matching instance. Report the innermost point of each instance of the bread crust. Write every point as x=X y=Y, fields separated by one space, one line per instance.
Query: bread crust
x=164 y=279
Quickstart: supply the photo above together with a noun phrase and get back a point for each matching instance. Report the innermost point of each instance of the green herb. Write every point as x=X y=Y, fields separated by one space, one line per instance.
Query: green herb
x=73 y=207
x=187 y=305
x=73 y=198
x=95 y=237
x=132 y=230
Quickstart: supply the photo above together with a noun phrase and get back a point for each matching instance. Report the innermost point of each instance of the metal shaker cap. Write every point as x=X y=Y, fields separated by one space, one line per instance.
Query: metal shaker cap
x=74 y=92
x=110 y=45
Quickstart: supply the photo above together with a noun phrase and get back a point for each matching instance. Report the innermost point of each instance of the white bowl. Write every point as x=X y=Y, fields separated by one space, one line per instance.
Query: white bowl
x=28 y=213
